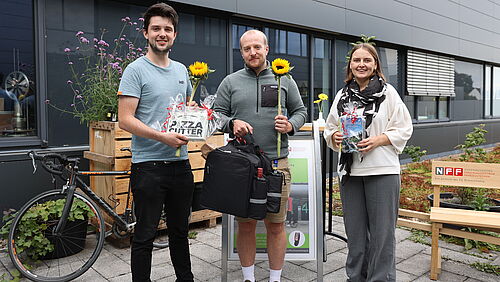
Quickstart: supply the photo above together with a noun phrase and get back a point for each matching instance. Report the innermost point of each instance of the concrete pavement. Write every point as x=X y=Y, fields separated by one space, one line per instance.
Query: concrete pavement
x=413 y=262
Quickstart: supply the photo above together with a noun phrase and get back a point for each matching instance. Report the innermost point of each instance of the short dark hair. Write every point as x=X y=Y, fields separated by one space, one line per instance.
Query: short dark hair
x=163 y=10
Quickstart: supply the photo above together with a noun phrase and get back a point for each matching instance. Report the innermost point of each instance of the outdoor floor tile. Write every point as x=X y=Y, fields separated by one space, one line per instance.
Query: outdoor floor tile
x=122 y=278
x=297 y=273
x=407 y=248
x=110 y=266
x=205 y=252
x=404 y=277
x=91 y=275
x=161 y=271
x=204 y=270
x=334 y=262
x=338 y=275
x=416 y=265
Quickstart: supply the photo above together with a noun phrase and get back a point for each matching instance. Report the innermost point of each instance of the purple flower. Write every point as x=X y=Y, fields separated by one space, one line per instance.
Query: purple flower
x=102 y=42
x=137 y=29
x=77 y=91
x=79 y=33
x=119 y=59
x=77 y=48
x=70 y=63
x=96 y=40
x=139 y=49
x=135 y=23
x=79 y=97
x=69 y=82
x=66 y=50
x=122 y=39
x=72 y=105
x=127 y=18
x=141 y=19
x=47 y=101
x=84 y=40
x=124 y=19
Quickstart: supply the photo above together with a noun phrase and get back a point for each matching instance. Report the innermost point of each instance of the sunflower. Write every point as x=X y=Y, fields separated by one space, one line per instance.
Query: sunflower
x=198 y=69
x=280 y=66
x=323 y=97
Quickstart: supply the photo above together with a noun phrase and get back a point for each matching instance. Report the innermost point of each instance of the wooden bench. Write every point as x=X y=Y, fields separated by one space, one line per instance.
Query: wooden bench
x=475 y=175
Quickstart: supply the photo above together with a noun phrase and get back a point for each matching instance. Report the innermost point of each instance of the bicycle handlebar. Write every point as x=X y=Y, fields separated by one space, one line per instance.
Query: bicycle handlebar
x=49 y=165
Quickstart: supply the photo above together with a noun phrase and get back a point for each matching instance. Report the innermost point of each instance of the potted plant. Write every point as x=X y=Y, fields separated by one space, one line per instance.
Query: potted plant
x=95 y=69
x=38 y=224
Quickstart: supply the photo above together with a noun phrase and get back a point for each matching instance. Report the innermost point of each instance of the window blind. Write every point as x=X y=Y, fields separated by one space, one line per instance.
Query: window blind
x=430 y=75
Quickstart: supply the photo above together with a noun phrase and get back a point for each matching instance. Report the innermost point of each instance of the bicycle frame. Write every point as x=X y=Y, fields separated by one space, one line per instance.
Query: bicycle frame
x=70 y=188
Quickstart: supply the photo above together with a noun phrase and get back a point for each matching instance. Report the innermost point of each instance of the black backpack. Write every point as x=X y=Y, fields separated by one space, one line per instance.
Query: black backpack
x=239 y=180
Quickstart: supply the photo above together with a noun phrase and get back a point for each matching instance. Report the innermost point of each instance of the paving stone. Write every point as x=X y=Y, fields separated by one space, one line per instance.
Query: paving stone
x=161 y=271
x=109 y=266
x=209 y=239
x=458 y=256
x=91 y=275
x=402 y=234
x=338 y=275
x=334 y=262
x=407 y=248
x=416 y=265
x=468 y=271
x=204 y=270
x=334 y=244
x=297 y=273
x=205 y=252
x=404 y=277
x=161 y=256
x=122 y=278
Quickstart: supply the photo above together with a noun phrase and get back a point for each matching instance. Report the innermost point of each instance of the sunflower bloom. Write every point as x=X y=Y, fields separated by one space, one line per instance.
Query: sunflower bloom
x=323 y=97
x=280 y=66
x=198 y=69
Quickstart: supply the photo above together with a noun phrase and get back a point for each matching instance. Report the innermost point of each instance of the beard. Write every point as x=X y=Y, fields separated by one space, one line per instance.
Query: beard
x=157 y=50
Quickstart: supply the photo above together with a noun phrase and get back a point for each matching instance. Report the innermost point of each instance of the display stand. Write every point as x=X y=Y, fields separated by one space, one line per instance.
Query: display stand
x=304 y=224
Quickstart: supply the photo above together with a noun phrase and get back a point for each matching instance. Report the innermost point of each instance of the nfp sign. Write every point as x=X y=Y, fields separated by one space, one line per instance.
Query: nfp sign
x=455 y=171
x=466 y=174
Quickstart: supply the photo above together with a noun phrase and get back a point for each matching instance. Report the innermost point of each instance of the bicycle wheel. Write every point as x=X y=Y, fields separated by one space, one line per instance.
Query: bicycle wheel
x=41 y=255
x=161 y=237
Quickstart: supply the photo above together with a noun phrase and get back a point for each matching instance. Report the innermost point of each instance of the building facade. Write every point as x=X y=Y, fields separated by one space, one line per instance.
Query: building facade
x=442 y=56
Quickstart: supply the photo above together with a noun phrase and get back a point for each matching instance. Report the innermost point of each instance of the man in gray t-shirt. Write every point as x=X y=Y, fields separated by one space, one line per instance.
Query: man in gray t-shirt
x=159 y=179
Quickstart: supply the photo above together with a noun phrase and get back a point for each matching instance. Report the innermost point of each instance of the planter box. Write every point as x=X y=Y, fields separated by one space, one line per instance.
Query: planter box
x=106 y=140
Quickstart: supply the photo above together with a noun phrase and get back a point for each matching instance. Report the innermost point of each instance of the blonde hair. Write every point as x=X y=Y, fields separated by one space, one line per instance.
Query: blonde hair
x=368 y=47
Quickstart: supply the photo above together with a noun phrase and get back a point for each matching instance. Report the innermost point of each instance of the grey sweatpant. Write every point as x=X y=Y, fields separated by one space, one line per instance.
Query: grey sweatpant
x=370 y=205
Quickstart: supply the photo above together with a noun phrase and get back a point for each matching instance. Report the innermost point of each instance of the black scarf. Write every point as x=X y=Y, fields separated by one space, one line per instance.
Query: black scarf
x=369 y=99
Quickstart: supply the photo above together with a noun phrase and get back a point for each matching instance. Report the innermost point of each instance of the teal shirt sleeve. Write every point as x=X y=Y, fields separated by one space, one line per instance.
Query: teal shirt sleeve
x=130 y=83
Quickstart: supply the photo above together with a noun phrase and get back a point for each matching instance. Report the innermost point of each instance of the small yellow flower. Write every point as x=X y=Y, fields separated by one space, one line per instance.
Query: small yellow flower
x=317 y=101
x=198 y=69
x=280 y=66
x=323 y=97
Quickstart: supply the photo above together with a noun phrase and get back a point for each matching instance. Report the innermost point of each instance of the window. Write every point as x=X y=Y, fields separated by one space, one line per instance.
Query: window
x=429 y=74
x=487 y=91
x=18 y=93
x=467 y=104
x=322 y=73
x=496 y=91
x=389 y=63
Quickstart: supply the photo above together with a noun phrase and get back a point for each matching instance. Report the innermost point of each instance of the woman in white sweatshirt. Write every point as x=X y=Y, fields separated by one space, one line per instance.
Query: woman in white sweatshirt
x=369 y=169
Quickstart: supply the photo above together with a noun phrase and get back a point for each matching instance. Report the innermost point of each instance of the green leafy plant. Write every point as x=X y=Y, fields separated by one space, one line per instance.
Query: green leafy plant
x=95 y=88
x=415 y=152
x=486 y=267
x=364 y=39
x=15 y=274
x=192 y=235
x=472 y=153
x=35 y=223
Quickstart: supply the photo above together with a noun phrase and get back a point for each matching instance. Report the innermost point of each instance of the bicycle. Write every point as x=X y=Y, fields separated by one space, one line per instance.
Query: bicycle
x=72 y=239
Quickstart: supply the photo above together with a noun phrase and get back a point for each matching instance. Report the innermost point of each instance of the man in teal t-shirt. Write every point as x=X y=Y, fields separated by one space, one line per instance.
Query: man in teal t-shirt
x=159 y=179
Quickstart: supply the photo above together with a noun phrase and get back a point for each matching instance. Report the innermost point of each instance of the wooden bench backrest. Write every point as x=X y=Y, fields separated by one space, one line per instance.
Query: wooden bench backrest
x=464 y=174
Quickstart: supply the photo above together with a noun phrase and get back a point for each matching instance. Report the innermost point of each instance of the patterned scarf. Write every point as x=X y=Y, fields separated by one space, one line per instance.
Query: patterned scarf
x=369 y=100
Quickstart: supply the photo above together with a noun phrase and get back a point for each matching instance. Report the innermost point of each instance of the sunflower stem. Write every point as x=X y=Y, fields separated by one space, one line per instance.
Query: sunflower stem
x=195 y=86
x=278 y=143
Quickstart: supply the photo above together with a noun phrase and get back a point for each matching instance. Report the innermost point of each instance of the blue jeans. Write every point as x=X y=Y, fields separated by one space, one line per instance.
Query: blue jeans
x=158 y=184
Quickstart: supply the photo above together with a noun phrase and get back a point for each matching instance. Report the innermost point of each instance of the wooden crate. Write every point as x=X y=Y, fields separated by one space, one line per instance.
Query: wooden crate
x=106 y=140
